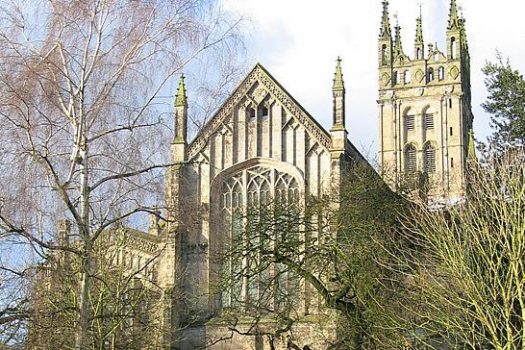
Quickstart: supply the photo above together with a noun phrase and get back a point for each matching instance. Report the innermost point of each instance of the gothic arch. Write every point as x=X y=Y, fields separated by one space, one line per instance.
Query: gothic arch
x=264 y=162
x=409 y=120
x=410 y=158
x=429 y=157
x=258 y=184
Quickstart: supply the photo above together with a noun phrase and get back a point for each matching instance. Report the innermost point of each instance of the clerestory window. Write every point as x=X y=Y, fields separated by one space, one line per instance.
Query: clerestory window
x=407 y=77
x=430 y=74
x=441 y=73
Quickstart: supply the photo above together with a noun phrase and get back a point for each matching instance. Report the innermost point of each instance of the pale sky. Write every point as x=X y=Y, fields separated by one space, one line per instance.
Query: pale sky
x=299 y=40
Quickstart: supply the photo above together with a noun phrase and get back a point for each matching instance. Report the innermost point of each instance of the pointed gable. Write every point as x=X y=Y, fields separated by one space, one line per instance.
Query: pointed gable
x=259 y=87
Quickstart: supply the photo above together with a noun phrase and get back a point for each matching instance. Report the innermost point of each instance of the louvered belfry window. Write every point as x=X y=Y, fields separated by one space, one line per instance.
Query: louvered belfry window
x=428 y=120
x=430 y=159
x=410 y=122
x=410 y=160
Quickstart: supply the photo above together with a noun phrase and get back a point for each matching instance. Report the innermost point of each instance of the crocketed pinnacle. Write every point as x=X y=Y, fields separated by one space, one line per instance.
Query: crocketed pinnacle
x=398 y=44
x=180 y=99
x=339 y=84
x=453 y=18
x=385 y=22
x=419 y=30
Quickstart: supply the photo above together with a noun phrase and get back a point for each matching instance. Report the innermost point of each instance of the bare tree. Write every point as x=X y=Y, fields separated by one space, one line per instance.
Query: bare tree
x=460 y=271
x=322 y=256
x=124 y=297
x=83 y=122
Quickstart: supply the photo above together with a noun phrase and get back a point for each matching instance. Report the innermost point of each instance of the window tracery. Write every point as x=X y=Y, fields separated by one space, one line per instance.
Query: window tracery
x=244 y=198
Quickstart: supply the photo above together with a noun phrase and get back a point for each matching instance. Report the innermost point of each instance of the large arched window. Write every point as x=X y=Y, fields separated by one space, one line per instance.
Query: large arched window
x=429 y=158
x=256 y=206
x=410 y=159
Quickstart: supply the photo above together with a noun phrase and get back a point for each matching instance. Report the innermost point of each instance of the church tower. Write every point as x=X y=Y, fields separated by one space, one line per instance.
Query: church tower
x=425 y=117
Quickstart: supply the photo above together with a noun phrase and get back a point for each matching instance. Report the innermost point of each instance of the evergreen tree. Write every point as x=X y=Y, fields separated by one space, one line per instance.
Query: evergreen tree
x=506 y=103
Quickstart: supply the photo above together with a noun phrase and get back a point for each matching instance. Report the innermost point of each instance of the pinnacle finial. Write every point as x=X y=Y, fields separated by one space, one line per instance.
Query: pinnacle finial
x=419 y=28
x=398 y=43
x=385 y=22
x=339 y=84
x=453 y=19
x=180 y=99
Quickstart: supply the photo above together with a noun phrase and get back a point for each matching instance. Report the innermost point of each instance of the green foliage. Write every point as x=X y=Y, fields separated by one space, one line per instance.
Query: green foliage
x=506 y=103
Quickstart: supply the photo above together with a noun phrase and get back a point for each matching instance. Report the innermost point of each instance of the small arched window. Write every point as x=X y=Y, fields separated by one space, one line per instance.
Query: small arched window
x=430 y=74
x=410 y=159
x=383 y=55
x=410 y=122
x=407 y=78
x=429 y=159
x=395 y=78
x=418 y=53
x=428 y=120
x=441 y=73
x=453 y=48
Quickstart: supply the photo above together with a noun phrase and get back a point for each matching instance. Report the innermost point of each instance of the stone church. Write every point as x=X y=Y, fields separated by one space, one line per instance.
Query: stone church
x=262 y=144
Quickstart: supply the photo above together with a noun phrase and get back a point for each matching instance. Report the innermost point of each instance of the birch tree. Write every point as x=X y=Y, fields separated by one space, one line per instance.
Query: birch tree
x=84 y=127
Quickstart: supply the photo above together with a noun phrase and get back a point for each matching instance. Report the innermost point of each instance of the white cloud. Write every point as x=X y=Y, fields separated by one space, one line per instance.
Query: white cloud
x=299 y=40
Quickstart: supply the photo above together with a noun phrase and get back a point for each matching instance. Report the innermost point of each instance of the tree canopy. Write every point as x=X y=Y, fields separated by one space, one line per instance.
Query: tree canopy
x=506 y=104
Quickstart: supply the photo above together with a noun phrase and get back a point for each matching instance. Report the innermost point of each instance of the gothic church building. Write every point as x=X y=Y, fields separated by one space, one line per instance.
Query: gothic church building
x=263 y=144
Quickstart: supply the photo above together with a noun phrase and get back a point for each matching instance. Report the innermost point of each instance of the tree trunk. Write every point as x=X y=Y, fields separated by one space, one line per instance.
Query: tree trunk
x=82 y=331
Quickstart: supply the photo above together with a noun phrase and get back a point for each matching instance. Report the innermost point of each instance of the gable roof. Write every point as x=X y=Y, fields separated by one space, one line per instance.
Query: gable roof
x=262 y=76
